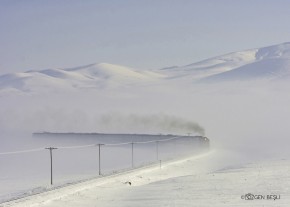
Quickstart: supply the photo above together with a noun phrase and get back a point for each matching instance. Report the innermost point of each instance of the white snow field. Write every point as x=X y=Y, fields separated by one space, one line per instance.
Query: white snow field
x=27 y=172
x=240 y=101
x=268 y=63
x=194 y=181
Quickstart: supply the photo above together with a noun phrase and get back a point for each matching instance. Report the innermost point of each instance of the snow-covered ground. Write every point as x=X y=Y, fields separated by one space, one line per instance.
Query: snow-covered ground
x=239 y=100
x=76 y=159
x=203 y=180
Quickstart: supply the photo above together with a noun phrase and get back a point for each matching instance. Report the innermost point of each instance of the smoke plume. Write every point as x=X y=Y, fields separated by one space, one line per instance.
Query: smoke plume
x=151 y=123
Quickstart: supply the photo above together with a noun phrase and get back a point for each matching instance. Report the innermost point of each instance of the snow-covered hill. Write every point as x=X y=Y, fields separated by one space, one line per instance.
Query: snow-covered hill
x=267 y=63
x=212 y=66
x=89 y=76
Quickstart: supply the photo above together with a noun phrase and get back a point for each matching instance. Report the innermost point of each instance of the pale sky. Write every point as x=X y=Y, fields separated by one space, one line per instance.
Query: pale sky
x=145 y=34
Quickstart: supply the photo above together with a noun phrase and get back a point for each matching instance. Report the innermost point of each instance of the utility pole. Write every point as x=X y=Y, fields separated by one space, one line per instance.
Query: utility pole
x=50 y=150
x=100 y=157
x=157 y=150
x=132 y=154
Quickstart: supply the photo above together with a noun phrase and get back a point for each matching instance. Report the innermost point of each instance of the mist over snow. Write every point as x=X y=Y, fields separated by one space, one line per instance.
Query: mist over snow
x=241 y=100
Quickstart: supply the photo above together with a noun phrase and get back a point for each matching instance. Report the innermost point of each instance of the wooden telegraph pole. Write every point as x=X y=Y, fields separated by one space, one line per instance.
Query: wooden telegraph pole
x=100 y=157
x=132 y=154
x=157 y=150
x=50 y=150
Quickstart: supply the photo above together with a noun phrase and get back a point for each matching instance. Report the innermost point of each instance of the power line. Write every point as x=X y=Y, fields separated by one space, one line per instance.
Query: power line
x=90 y=145
x=22 y=151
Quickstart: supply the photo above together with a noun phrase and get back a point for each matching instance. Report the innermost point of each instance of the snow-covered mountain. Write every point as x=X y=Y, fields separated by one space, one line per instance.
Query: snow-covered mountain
x=271 y=63
x=89 y=76
x=268 y=63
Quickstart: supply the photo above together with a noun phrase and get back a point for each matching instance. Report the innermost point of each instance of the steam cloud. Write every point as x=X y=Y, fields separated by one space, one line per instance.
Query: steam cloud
x=161 y=122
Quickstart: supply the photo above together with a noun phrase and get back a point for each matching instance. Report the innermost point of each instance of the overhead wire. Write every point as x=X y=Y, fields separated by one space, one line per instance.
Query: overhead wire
x=90 y=145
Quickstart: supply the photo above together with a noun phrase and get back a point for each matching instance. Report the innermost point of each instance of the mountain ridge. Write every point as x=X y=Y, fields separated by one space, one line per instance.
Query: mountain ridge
x=266 y=63
x=227 y=67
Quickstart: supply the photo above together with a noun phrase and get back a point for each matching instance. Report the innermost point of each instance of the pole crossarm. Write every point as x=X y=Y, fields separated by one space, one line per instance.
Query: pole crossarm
x=51 y=148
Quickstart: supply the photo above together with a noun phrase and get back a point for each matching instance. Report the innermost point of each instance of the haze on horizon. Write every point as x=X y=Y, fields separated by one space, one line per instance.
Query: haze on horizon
x=140 y=34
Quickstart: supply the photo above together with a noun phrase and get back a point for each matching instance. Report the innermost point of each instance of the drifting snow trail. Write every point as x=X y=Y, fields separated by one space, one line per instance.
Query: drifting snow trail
x=202 y=180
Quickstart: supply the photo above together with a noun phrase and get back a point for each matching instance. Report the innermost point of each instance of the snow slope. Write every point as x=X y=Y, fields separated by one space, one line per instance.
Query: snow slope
x=195 y=181
x=271 y=62
x=89 y=76
x=212 y=66
x=267 y=63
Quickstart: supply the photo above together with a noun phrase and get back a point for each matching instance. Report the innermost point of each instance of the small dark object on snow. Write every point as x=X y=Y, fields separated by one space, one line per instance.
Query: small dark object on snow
x=128 y=182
